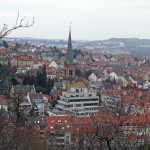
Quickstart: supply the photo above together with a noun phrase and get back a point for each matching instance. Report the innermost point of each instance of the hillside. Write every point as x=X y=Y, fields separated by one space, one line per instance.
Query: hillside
x=131 y=42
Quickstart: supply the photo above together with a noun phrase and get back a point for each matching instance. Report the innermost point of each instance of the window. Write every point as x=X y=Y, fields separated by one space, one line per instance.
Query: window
x=70 y=72
x=82 y=100
x=91 y=104
x=59 y=121
x=77 y=90
x=68 y=106
x=78 y=105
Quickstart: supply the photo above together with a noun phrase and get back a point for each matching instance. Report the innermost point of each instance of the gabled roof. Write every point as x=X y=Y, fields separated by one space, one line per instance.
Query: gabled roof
x=36 y=97
x=24 y=89
x=59 y=85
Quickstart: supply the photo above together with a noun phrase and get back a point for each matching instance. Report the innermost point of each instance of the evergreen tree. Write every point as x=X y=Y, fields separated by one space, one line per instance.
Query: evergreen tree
x=48 y=85
x=44 y=78
x=34 y=111
x=76 y=52
x=41 y=76
x=88 y=73
x=30 y=79
x=78 y=72
x=14 y=81
x=16 y=47
x=5 y=44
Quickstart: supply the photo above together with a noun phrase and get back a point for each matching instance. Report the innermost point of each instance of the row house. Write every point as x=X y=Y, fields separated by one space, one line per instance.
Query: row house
x=25 y=61
x=30 y=98
x=51 y=72
x=22 y=61
x=110 y=99
x=65 y=132
x=47 y=56
x=59 y=132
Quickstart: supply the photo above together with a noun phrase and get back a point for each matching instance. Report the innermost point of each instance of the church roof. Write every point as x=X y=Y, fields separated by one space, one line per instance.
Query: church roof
x=69 y=55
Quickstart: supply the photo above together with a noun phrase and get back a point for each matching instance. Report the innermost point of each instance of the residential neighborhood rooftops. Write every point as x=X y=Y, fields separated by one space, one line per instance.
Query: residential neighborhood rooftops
x=24 y=89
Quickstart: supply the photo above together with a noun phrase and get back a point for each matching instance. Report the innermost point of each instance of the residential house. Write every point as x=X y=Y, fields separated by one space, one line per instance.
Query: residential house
x=3 y=104
x=24 y=89
x=59 y=132
x=110 y=99
x=53 y=64
x=25 y=61
x=92 y=77
x=36 y=99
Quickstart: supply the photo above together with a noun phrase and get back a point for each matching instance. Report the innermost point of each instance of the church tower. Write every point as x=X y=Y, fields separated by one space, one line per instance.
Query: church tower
x=69 y=55
x=70 y=67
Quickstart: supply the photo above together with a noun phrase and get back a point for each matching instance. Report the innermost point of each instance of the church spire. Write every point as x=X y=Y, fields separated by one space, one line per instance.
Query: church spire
x=69 y=49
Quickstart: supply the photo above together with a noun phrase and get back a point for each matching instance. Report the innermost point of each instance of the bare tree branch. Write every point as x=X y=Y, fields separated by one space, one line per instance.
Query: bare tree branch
x=19 y=24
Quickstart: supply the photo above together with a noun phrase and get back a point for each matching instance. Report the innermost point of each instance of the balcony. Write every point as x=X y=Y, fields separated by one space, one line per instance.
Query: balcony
x=79 y=97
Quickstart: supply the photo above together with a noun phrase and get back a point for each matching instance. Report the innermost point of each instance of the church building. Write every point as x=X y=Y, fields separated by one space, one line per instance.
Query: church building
x=76 y=97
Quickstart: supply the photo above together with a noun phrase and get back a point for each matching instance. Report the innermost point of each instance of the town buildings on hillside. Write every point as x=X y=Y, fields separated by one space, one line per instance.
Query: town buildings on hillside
x=82 y=94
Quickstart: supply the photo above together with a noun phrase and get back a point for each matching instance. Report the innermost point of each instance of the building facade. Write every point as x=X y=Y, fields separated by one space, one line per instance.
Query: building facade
x=82 y=101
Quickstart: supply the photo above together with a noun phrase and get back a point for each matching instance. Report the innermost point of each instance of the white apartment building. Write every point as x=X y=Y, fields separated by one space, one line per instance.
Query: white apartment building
x=82 y=101
x=110 y=101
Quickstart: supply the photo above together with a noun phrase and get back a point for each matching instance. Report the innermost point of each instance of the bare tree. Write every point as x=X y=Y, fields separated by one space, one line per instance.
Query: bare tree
x=21 y=138
x=116 y=128
x=15 y=133
x=6 y=70
x=20 y=23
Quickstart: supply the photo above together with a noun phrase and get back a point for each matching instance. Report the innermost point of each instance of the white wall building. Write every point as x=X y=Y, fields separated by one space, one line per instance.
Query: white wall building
x=109 y=101
x=53 y=64
x=82 y=101
x=92 y=77
x=37 y=99
x=113 y=76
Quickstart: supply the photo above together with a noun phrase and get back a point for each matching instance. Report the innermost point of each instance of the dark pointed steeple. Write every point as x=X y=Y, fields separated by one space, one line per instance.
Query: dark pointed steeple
x=69 y=56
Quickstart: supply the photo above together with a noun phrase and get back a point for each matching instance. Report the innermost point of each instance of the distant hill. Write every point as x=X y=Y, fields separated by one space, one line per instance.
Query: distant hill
x=131 y=42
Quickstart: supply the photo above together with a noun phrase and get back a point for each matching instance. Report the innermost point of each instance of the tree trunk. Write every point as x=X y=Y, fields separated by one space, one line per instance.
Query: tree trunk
x=108 y=144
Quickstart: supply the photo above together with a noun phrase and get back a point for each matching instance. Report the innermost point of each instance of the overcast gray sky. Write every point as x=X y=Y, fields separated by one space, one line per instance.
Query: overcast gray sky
x=91 y=19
